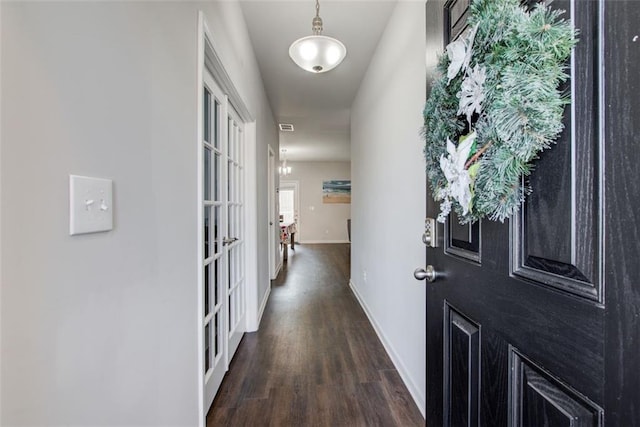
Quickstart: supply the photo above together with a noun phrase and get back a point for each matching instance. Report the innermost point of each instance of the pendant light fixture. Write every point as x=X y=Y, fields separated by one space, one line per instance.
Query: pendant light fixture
x=284 y=170
x=317 y=53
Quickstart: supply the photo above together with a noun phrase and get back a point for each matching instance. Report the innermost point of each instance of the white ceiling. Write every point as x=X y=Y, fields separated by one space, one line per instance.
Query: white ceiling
x=317 y=105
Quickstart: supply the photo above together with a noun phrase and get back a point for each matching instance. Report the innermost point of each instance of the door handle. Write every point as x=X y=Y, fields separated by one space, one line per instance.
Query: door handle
x=429 y=274
x=227 y=241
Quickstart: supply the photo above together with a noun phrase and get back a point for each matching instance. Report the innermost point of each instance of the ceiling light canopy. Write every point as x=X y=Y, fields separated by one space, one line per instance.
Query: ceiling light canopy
x=317 y=53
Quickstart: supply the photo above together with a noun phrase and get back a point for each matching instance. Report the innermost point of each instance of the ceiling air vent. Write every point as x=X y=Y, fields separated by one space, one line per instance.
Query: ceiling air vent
x=285 y=127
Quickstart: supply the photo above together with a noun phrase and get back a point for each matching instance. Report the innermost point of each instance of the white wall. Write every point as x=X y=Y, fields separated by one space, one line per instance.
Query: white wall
x=101 y=329
x=388 y=202
x=320 y=222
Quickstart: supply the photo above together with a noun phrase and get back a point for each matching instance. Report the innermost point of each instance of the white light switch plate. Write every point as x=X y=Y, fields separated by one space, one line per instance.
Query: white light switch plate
x=90 y=204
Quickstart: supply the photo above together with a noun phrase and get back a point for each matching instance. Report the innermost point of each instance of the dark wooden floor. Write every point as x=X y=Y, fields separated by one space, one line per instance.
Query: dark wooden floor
x=316 y=360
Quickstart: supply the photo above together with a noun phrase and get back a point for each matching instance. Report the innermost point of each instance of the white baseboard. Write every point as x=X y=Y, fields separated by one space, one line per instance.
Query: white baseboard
x=402 y=370
x=315 y=242
x=278 y=268
x=263 y=305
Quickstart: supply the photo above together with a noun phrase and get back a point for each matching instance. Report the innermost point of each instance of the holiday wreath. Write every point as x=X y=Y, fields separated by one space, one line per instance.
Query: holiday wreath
x=496 y=105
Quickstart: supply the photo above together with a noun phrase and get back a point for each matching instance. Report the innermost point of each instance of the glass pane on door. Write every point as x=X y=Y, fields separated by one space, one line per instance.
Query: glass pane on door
x=287 y=209
x=209 y=248
x=216 y=121
x=206 y=178
x=207 y=351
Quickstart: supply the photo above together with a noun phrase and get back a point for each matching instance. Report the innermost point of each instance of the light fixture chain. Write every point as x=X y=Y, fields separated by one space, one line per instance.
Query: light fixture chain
x=316 y=24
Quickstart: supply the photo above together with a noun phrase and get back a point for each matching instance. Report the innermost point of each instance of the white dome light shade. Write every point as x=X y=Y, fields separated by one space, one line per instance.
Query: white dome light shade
x=308 y=50
x=317 y=54
x=333 y=55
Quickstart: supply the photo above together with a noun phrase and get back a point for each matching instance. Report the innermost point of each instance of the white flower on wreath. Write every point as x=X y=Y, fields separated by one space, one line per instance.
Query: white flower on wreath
x=458 y=178
x=445 y=204
x=460 y=52
x=472 y=92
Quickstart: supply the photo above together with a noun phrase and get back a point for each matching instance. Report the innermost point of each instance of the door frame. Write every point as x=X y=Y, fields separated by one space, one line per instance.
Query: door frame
x=275 y=263
x=208 y=58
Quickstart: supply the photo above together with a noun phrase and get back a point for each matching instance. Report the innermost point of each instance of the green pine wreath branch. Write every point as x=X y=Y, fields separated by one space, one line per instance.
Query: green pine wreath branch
x=525 y=55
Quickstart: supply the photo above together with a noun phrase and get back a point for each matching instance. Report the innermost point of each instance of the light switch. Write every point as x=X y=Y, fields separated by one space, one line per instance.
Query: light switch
x=90 y=204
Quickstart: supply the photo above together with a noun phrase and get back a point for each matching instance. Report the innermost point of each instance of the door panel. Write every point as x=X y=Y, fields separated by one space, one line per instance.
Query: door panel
x=516 y=320
x=215 y=310
x=463 y=240
x=235 y=232
x=537 y=398
x=461 y=368
x=557 y=235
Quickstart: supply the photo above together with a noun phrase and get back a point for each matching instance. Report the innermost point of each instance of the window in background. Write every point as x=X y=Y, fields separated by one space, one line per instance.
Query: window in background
x=287 y=209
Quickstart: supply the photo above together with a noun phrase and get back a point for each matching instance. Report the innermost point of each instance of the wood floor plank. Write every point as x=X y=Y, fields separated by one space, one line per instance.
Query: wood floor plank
x=374 y=405
x=336 y=405
x=316 y=360
x=295 y=396
x=402 y=406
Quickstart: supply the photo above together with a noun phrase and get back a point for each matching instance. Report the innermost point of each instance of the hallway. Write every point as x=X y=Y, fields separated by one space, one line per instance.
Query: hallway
x=316 y=360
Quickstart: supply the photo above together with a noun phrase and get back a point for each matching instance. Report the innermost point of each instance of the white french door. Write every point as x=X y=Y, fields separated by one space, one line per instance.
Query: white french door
x=223 y=230
x=234 y=242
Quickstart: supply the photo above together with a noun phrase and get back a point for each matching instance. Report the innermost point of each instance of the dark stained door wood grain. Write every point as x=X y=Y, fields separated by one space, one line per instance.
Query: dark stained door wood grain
x=535 y=321
x=316 y=360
